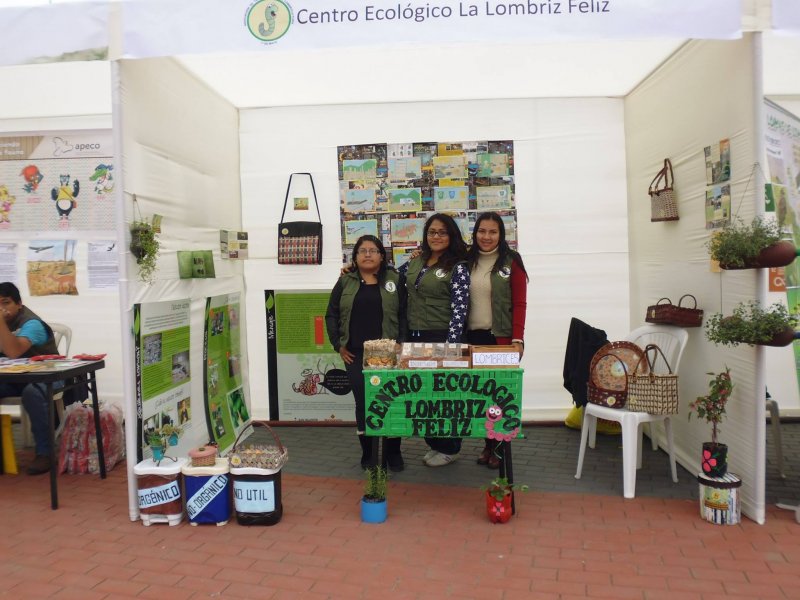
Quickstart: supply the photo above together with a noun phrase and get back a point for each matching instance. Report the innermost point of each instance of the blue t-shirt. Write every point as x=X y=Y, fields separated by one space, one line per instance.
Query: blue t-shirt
x=33 y=330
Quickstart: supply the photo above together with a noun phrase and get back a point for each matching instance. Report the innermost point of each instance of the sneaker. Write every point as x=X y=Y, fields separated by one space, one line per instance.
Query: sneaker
x=40 y=464
x=396 y=462
x=440 y=460
x=428 y=455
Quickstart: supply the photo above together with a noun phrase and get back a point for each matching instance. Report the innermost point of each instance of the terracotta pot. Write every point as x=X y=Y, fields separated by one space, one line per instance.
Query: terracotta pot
x=778 y=254
x=714 y=461
x=499 y=511
x=783 y=338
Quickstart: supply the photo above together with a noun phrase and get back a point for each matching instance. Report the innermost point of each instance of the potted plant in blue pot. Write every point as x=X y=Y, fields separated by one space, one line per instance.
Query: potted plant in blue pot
x=156 y=442
x=373 y=503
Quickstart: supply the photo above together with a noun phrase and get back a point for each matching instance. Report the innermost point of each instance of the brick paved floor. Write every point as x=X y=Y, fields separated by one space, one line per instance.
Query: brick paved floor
x=576 y=543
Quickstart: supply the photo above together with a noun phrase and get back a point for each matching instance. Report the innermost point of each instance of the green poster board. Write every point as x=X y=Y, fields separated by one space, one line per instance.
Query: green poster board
x=477 y=403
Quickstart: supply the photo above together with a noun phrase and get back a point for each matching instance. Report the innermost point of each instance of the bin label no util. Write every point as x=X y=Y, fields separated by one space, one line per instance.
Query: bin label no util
x=254 y=496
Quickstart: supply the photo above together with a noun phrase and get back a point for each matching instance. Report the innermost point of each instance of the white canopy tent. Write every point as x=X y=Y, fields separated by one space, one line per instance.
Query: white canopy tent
x=207 y=141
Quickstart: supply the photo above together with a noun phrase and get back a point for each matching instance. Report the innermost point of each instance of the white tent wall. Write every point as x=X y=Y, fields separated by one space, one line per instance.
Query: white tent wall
x=180 y=156
x=781 y=55
x=570 y=178
x=703 y=94
x=34 y=101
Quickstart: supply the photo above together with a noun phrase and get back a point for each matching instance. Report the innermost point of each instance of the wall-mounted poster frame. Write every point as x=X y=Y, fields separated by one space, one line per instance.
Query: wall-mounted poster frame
x=389 y=190
x=306 y=378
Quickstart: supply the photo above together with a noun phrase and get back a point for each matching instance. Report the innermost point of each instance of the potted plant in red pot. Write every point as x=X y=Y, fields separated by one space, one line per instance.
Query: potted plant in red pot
x=712 y=409
x=499 y=495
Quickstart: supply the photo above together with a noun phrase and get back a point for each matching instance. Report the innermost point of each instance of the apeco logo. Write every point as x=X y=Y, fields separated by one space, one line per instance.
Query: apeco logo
x=268 y=20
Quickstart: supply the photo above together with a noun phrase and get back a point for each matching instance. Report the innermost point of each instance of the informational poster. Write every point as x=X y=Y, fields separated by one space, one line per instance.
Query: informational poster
x=389 y=190
x=226 y=408
x=234 y=244
x=51 y=268
x=783 y=161
x=8 y=263
x=103 y=265
x=307 y=380
x=718 y=206
x=163 y=372
x=718 y=162
x=57 y=181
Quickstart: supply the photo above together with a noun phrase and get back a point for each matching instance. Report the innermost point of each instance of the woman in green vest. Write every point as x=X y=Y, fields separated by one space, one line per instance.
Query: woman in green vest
x=497 y=297
x=438 y=296
x=368 y=302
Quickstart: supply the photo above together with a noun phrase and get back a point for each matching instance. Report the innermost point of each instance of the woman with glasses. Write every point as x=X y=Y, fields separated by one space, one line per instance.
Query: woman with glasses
x=368 y=302
x=438 y=297
x=497 y=297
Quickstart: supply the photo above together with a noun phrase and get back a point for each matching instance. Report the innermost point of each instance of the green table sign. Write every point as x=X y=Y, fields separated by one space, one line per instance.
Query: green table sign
x=477 y=403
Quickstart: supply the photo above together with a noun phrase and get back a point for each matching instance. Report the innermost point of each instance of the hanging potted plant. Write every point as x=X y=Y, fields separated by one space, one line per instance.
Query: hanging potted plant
x=499 y=496
x=144 y=247
x=758 y=245
x=753 y=325
x=373 y=503
x=171 y=433
x=712 y=409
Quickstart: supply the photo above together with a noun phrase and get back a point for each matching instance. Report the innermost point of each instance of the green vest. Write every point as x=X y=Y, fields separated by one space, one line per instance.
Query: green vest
x=501 y=299
x=428 y=305
x=390 y=303
x=49 y=346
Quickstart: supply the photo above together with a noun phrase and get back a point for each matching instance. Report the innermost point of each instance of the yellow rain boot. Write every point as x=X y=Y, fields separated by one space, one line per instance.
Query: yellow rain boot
x=9 y=456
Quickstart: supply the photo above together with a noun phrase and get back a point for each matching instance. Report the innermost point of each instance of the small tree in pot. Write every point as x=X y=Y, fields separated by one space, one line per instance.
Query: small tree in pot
x=712 y=409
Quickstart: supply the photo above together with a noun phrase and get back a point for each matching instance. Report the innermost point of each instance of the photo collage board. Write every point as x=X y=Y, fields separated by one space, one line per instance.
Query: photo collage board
x=390 y=190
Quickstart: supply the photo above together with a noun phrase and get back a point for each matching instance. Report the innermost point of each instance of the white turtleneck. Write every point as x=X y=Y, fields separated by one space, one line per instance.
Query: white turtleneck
x=480 y=291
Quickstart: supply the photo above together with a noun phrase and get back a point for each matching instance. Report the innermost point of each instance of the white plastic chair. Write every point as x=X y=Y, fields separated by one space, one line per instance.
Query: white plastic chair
x=672 y=341
x=775 y=419
x=61 y=333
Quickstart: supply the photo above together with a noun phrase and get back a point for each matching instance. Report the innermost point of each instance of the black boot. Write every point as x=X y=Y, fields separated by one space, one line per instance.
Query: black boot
x=366 y=450
x=393 y=456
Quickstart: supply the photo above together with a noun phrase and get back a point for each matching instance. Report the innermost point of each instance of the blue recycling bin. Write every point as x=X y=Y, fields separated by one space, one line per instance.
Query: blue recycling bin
x=208 y=492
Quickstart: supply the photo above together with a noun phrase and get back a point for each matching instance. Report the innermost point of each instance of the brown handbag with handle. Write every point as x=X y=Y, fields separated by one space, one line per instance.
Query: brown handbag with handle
x=650 y=392
x=663 y=202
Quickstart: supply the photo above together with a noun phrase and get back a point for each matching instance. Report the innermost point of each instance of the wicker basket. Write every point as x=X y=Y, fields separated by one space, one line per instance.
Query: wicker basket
x=204 y=456
x=259 y=456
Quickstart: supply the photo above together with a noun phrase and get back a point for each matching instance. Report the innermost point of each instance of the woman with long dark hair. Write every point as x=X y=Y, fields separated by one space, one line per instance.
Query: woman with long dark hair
x=438 y=297
x=368 y=302
x=497 y=297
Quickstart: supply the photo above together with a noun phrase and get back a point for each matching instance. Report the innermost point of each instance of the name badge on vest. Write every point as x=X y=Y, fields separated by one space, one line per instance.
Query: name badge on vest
x=390 y=287
x=505 y=272
x=440 y=273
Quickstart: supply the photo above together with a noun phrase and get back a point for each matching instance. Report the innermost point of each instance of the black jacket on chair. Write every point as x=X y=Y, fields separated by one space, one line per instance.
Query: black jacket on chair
x=582 y=342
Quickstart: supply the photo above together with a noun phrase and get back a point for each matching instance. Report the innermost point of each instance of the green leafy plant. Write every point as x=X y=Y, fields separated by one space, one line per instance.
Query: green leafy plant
x=377 y=484
x=712 y=407
x=168 y=430
x=736 y=244
x=749 y=324
x=499 y=488
x=154 y=438
x=145 y=248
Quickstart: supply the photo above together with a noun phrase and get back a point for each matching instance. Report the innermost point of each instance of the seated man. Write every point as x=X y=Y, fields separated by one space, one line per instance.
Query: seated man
x=23 y=334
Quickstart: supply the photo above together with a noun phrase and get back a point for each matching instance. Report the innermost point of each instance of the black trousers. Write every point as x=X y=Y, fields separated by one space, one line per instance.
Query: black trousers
x=355 y=374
